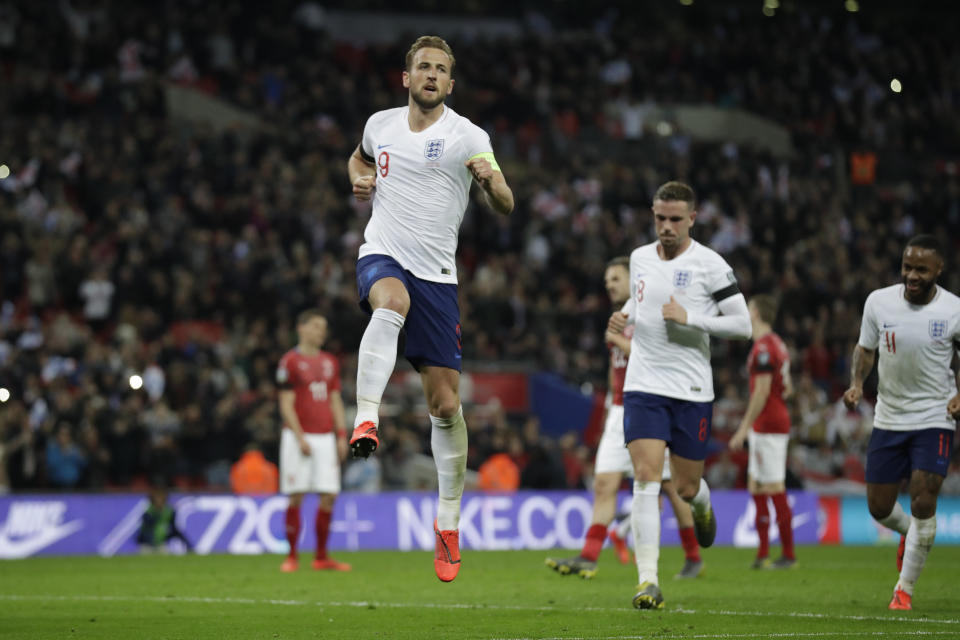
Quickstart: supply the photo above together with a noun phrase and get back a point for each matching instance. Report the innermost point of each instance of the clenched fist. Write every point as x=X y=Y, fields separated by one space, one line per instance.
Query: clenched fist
x=851 y=397
x=481 y=170
x=363 y=187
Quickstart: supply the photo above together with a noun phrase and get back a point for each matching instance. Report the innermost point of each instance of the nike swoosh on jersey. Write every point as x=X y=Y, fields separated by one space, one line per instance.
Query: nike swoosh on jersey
x=384 y=146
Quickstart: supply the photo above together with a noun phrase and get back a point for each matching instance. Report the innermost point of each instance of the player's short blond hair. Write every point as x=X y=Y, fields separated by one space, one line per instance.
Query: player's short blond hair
x=306 y=316
x=766 y=306
x=431 y=42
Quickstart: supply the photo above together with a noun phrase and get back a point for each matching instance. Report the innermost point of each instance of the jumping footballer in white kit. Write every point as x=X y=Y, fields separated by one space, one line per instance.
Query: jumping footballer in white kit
x=417 y=164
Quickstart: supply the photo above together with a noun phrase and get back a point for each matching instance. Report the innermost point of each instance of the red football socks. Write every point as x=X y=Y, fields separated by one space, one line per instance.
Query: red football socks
x=323 y=531
x=784 y=523
x=691 y=550
x=762 y=523
x=596 y=535
x=293 y=529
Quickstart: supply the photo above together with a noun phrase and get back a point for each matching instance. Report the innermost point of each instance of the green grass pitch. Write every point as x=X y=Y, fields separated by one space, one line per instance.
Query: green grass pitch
x=834 y=592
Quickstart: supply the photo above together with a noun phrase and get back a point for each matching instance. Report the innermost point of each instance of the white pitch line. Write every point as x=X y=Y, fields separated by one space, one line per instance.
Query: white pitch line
x=724 y=636
x=825 y=616
x=363 y=604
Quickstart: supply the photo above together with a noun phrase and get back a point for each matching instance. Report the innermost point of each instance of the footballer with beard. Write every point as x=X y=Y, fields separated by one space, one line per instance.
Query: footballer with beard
x=915 y=327
x=416 y=164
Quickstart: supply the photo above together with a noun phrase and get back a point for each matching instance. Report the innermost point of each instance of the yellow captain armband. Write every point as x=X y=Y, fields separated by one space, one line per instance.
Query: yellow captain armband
x=488 y=156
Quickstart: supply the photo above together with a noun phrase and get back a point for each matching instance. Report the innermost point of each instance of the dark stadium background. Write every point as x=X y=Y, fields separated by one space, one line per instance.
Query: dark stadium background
x=192 y=155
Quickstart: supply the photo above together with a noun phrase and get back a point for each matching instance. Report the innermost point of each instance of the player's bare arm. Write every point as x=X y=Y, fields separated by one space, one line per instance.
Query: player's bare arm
x=617 y=322
x=787 y=385
x=758 y=399
x=609 y=400
x=618 y=340
x=953 y=406
x=363 y=175
x=499 y=196
x=339 y=423
x=859 y=370
x=289 y=415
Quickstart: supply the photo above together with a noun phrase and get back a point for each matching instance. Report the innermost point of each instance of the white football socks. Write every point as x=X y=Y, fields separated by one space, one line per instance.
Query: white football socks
x=645 y=520
x=375 y=362
x=919 y=541
x=701 y=502
x=898 y=520
x=448 y=439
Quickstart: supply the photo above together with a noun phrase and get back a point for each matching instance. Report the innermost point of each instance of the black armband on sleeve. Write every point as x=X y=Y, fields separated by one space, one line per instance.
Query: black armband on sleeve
x=366 y=156
x=763 y=363
x=726 y=292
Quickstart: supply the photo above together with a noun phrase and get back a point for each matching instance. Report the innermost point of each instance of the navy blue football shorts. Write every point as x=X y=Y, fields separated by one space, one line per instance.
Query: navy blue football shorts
x=432 y=328
x=682 y=424
x=893 y=455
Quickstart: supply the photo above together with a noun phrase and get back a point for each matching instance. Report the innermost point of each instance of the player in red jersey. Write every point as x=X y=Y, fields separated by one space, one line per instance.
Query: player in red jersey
x=770 y=384
x=314 y=437
x=613 y=460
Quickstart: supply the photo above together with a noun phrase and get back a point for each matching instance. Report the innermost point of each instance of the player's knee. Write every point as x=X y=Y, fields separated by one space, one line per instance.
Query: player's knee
x=444 y=407
x=687 y=490
x=604 y=486
x=398 y=304
x=397 y=300
x=879 y=510
x=923 y=507
x=646 y=473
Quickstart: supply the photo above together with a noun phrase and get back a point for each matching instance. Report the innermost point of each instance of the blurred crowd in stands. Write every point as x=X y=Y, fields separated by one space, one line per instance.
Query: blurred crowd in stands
x=151 y=268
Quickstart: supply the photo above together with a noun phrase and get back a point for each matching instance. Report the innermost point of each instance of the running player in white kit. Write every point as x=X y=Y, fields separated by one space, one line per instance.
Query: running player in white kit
x=681 y=293
x=916 y=328
x=417 y=164
x=613 y=461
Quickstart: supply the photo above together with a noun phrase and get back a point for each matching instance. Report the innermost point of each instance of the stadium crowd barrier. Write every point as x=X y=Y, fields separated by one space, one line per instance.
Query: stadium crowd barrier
x=76 y=524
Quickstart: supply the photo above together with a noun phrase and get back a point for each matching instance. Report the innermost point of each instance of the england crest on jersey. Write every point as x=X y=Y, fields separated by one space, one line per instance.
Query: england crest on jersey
x=433 y=149
x=938 y=328
x=681 y=278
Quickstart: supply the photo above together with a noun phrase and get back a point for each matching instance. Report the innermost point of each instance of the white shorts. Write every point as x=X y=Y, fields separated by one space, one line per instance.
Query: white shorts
x=317 y=473
x=612 y=454
x=768 y=457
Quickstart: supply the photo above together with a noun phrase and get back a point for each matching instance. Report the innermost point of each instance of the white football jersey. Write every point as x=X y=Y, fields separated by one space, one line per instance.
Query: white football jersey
x=422 y=189
x=667 y=358
x=915 y=344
